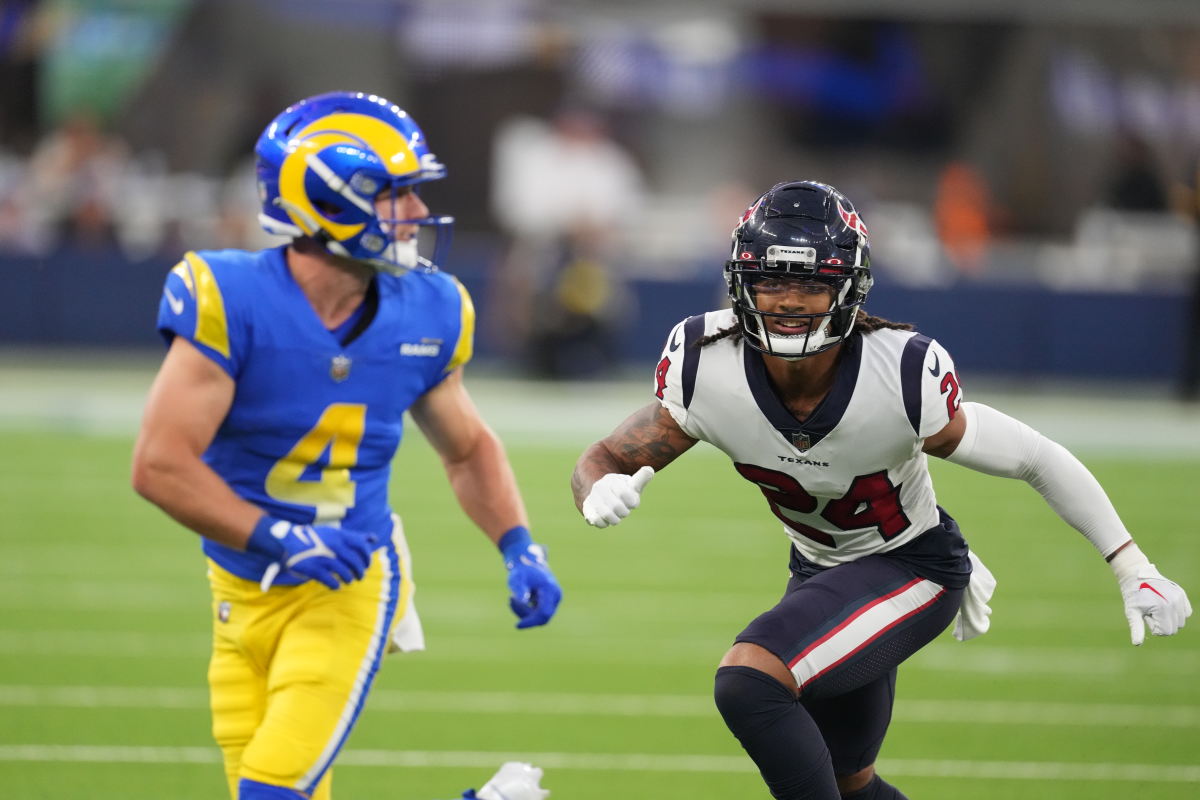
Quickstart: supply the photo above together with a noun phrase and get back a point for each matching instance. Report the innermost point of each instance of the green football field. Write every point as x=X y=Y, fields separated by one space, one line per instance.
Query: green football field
x=104 y=624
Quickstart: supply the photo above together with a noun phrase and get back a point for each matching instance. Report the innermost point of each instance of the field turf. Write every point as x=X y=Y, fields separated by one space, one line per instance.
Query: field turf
x=104 y=626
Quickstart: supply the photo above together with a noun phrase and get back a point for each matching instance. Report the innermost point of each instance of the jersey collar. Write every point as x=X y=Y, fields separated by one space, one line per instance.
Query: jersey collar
x=828 y=412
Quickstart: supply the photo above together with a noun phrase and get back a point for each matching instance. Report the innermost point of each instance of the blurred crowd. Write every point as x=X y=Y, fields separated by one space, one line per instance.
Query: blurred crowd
x=600 y=158
x=83 y=188
x=563 y=189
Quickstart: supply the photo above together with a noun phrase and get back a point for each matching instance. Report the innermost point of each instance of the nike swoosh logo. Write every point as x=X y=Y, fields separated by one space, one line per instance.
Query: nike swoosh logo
x=1151 y=588
x=675 y=340
x=936 y=369
x=174 y=302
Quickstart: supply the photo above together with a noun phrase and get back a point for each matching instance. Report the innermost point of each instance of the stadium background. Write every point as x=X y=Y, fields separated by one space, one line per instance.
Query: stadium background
x=1028 y=172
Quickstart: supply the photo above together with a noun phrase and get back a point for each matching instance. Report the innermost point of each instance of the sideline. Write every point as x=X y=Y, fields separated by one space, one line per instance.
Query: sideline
x=104 y=395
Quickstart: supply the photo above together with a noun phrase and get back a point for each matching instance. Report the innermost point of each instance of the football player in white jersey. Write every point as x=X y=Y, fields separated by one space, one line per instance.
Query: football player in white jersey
x=832 y=413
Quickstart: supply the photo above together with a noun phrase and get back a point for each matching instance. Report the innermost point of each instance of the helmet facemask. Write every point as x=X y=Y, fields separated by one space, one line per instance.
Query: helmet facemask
x=824 y=329
x=402 y=251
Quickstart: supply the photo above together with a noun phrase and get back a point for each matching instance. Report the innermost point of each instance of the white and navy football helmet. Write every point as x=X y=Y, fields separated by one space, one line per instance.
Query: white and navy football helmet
x=800 y=229
x=322 y=163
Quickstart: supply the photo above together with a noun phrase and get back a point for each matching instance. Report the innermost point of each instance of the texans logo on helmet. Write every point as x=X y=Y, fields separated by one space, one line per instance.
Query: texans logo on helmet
x=750 y=211
x=852 y=219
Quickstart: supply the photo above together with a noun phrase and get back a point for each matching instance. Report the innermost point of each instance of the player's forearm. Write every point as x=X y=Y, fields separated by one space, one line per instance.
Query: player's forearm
x=1076 y=496
x=596 y=462
x=649 y=437
x=997 y=444
x=486 y=488
x=189 y=491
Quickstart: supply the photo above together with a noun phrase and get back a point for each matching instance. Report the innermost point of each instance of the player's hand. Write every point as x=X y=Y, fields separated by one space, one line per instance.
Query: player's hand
x=516 y=780
x=333 y=556
x=614 y=496
x=535 y=593
x=973 y=616
x=1150 y=599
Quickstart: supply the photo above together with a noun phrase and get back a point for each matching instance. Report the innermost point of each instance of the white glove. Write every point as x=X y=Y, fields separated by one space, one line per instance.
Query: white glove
x=614 y=496
x=515 y=780
x=972 y=619
x=1148 y=596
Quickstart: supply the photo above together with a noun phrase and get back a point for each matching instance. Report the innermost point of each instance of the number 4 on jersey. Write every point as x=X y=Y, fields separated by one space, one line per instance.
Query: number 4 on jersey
x=331 y=492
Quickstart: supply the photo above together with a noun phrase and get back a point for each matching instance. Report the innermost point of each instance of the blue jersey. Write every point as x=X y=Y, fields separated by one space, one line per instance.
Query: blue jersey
x=314 y=425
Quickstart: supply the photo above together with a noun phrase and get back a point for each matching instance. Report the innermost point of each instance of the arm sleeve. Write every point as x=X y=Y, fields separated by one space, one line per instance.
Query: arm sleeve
x=996 y=444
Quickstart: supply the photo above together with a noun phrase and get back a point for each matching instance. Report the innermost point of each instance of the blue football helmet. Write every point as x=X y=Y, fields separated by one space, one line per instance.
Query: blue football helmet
x=323 y=162
x=806 y=230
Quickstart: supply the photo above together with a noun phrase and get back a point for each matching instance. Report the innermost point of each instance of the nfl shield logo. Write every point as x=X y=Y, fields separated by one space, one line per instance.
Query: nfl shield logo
x=800 y=440
x=223 y=611
x=339 y=368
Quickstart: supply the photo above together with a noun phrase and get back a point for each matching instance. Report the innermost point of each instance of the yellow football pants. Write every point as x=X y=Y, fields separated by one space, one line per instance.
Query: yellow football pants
x=291 y=668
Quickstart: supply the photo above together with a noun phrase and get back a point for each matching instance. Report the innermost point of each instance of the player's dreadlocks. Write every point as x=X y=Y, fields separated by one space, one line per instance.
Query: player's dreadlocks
x=866 y=323
x=863 y=323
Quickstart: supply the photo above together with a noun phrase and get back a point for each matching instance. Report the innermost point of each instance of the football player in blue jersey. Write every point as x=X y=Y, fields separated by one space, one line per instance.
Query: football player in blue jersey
x=272 y=423
x=832 y=413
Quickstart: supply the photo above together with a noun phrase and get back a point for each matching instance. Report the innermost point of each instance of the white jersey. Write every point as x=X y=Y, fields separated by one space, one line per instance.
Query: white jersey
x=851 y=479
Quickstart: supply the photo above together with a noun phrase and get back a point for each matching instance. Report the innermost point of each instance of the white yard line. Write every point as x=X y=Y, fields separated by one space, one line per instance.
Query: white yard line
x=1092 y=664
x=1081 y=662
x=102 y=644
x=80 y=591
x=623 y=762
x=621 y=705
x=951 y=657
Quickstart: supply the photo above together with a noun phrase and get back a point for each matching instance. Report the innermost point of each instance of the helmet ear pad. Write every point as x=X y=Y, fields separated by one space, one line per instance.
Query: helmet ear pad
x=800 y=229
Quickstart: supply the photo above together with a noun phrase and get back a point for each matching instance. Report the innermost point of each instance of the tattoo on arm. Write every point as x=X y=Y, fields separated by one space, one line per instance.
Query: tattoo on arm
x=650 y=436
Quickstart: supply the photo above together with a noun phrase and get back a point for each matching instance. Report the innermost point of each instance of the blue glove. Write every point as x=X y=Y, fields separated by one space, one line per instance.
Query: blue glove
x=320 y=552
x=535 y=592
